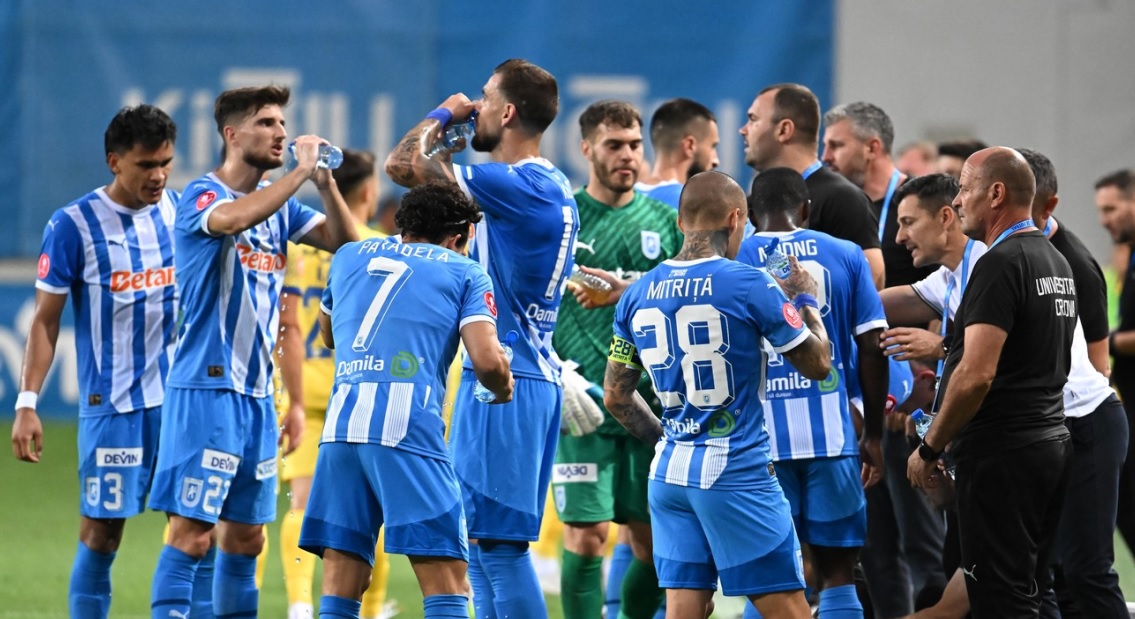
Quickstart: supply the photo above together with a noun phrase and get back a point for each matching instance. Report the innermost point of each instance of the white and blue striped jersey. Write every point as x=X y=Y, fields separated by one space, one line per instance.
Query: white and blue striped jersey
x=230 y=291
x=525 y=244
x=117 y=264
x=396 y=311
x=696 y=327
x=807 y=418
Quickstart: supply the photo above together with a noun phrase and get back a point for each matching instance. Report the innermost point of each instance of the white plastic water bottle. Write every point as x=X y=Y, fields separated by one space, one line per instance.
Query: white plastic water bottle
x=776 y=262
x=457 y=131
x=330 y=157
x=482 y=393
x=922 y=422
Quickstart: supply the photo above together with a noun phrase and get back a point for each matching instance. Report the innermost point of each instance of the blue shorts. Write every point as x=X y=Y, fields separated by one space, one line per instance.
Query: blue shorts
x=116 y=462
x=745 y=537
x=503 y=456
x=216 y=457
x=827 y=500
x=360 y=488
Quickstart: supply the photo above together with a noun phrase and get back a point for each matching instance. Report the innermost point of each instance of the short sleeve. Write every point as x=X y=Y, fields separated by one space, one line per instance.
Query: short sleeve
x=477 y=301
x=777 y=319
x=197 y=202
x=933 y=289
x=301 y=219
x=869 y=314
x=1091 y=296
x=993 y=295
x=61 y=257
x=495 y=187
x=622 y=349
x=293 y=271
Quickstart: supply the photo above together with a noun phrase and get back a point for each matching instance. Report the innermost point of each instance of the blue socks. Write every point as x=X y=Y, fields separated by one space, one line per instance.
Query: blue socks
x=620 y=561
x=339 y=607
x=89 y=595
x=172 y=589
x=202 y=603
x=483 y=604
x=840 y=603
x=515 y=589
x=447 y=607
x=234 y=586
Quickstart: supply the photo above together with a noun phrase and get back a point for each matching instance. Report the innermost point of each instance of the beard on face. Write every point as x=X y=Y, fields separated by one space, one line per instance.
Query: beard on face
x=608 y=179
x=483 y=142
x=696 y=167
x=263 y=162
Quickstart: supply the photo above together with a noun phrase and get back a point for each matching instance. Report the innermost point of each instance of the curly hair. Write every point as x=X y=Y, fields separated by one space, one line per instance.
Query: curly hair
x=435 y=210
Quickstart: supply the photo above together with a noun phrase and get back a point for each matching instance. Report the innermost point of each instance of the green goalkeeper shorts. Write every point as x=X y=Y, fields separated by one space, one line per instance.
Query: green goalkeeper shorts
x=601 y=477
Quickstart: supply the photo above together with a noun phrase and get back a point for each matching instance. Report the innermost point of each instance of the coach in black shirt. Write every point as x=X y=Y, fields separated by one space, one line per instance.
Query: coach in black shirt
x=1003 y=406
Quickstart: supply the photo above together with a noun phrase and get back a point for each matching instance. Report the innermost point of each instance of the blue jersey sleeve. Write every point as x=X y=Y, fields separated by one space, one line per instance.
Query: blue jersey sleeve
x=326 y=301
x=777 y=319
x=301 y=219
x=477 y=303
x=869 y=314
x=496 y=187
x=623 y=349
x=61 y=259
x=197 y=202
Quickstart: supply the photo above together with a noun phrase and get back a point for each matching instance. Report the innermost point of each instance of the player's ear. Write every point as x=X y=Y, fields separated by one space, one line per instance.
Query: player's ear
x=509 y=116
x=785 y=129
x=113 y=160
x=689 y=146
x=585 y=148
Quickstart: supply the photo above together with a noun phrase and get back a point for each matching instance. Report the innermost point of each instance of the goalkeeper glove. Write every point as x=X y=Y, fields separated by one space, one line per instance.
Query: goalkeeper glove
x=581 y=415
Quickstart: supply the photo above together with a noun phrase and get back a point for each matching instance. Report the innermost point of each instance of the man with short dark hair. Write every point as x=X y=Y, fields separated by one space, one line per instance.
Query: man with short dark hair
x=783 y=131
x=525 y=244
x=1002 y=406
x=383 y=461
x=683 y=134
x=216 y=465
x=953 y=154
x=820 y=463
x=623 y=231
x=112 y=251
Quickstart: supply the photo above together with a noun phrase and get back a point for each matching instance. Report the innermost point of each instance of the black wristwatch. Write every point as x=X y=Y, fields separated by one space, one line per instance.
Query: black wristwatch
x=945 y=348
x=927 y=453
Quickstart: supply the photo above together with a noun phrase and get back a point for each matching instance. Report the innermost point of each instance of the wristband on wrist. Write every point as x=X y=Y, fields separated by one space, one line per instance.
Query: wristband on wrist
x=803 y=300
x=27 y=399
x=441 y=115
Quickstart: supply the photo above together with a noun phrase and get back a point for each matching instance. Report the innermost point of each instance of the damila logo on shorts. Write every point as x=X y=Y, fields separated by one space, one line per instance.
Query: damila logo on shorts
x=569 y=473
x=266 y=469
x=118 y=456
x=219 y=461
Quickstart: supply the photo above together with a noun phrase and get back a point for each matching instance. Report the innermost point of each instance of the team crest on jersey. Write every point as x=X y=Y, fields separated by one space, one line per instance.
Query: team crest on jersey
x=92 y=484
x=491 y=303
x=651 y=244
x=191 y=492
x=206 y=199
x=792 y=316
x=44 y=266
x=561 y=498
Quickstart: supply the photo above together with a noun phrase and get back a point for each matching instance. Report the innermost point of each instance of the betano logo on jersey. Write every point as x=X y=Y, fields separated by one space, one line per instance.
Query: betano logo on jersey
x=265 y=262
x=130 y=281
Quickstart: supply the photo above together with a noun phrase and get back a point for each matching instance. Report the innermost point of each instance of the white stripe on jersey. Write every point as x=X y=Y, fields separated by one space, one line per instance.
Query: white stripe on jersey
x=830 y=406
x=333 y=409
x=714 y=461
x=91 y=274
x=122 y=324
x=799 y=427
x=678 y=469
x=397 y=419
x=154 y=337
x=358 y=420
x=658 y=449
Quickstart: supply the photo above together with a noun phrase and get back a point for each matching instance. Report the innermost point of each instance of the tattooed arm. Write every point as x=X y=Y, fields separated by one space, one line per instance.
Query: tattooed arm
x=408 y=164
x=626 y=405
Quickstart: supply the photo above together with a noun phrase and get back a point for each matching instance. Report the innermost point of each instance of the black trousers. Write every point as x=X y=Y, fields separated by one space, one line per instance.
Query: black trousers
x=1086 y=536
x=1009 y=506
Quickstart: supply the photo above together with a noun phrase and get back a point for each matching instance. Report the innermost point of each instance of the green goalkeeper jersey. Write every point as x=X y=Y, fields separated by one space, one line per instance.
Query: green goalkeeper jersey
x=627 y=241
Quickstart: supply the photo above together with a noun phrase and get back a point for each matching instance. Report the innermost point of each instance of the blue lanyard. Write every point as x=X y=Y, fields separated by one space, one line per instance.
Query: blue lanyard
x=891 y=187
x=816 y=165
x=1020 y=225
x=1047 y=227
x=950 y=291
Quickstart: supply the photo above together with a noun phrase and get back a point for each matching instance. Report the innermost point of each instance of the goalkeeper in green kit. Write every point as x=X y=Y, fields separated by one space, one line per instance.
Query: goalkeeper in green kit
x=601 y=471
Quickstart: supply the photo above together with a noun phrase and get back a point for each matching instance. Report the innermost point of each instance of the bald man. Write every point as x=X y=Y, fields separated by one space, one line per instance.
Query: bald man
x=1000 y=406
x=696 y=324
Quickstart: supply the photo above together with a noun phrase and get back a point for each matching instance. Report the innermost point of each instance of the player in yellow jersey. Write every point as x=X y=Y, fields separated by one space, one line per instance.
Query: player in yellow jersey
x=308 y=371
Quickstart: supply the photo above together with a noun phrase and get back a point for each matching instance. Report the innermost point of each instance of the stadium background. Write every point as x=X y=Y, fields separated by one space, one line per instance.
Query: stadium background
x=1048 y=74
